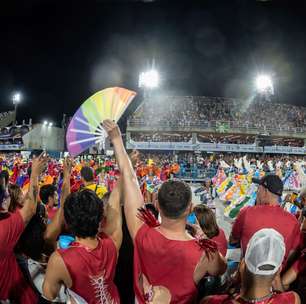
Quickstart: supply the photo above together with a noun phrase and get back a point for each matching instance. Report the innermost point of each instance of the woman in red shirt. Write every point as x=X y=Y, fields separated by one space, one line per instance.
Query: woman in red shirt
x=208 y=223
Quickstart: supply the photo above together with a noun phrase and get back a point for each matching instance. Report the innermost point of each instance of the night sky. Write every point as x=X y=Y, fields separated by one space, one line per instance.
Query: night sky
x=57 y=53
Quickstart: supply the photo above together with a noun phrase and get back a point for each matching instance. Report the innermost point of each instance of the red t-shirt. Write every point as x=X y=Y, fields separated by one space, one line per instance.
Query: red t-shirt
x=13 y=285
x=255 y=218
x=92 y=271
x=221 y=241
x=167 y=263
x=280 y=298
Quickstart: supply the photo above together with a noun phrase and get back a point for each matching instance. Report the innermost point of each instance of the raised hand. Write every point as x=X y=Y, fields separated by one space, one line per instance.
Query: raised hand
x=134 y=156
x=67 y=166
x=39 y=164
x=112 y=129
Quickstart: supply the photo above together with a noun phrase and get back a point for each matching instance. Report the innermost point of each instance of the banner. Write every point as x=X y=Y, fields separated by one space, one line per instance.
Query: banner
x=222 y=127
x=182 y=146
x=285 y=150
x=10 y=147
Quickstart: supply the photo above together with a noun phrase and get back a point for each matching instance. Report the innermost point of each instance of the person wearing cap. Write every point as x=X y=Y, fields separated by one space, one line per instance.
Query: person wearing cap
x=87 y=177
x=262 y=263
x=267 y=213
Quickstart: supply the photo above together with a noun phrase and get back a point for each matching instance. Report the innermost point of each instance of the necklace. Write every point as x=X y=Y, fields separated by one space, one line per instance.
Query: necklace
x=258 y=300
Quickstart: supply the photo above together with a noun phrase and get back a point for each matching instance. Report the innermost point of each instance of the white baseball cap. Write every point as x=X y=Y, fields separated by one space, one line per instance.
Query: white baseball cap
x=266 y=247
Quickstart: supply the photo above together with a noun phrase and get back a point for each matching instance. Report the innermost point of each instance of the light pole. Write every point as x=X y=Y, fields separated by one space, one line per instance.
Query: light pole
x=16 y=100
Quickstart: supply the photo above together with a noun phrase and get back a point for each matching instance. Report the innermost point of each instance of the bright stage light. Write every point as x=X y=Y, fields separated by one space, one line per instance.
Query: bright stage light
x=264 y=84
x=149 y=79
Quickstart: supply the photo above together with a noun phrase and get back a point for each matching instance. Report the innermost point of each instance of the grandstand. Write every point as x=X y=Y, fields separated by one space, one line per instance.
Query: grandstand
x=216 y=124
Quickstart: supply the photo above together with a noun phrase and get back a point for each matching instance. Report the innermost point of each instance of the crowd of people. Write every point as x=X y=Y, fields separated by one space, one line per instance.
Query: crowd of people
x=204 y=111
x=213 y=138
x=89 y=231
x=161 y=137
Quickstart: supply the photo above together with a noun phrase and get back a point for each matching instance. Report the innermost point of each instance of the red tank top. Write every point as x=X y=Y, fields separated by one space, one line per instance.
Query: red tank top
x=92 y=271
x=167 y=263
x=221 y=241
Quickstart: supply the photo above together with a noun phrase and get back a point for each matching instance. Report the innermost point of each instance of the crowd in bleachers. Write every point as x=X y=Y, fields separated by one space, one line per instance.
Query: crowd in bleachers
x=194 y=111
x=161 y=137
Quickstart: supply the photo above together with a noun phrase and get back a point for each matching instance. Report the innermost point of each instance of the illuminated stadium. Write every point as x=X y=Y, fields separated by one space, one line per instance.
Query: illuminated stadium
x=217 y=125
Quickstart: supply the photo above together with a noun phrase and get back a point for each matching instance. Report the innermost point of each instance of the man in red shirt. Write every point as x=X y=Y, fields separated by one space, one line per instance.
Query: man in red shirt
x=13 y=285
x=167 y=255
x=88 y=266
x=267 y=213
x=262 y=263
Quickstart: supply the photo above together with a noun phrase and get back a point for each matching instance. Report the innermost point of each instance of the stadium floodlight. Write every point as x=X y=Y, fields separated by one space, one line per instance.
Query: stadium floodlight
x=50 y=124
x=264 y=84
x=149 y=79
x=16 y=98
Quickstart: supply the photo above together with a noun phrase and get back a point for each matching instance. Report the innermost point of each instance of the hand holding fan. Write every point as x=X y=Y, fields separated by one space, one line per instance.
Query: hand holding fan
x=85 y=128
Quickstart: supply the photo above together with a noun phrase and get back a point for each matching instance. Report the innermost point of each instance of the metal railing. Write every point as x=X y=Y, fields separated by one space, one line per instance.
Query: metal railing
x=221 y=126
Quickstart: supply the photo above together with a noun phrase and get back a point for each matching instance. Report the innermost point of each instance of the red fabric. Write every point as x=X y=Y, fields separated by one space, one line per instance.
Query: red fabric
x=281 y=298
x=165 y=263
x=51 y=212
x=13 y=285
x=221 y=241
x=252 y=219
x=92 y=271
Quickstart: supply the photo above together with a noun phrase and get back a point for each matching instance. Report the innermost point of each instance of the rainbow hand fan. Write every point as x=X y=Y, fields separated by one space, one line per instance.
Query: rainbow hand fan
x=85 y=128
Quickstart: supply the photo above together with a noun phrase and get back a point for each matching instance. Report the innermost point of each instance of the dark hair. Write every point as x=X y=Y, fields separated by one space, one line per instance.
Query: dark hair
x=45 y=192
x=87 y=174
x=83 y=212
x=15 y=192
x=151 y=207
x=207 y=220
x=31 y=242
x=174 y=196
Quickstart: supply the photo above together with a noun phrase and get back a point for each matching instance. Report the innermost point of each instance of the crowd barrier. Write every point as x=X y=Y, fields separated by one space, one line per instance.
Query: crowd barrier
x=213 y=147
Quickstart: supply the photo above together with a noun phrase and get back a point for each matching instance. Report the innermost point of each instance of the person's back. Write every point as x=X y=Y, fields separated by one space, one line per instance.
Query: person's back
x=267 y=213
x=100 y=190
x=92 y=270
x=13 y=285
x=208 y=223
x=167 y=256
x=88 y=266
x=258 y=270
x=87 y=176
x=252 y=219
x=164 y=261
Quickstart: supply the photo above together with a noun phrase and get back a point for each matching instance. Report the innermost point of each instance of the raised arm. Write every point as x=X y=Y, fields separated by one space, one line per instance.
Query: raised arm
x=131 y=192
x=30 y=202
x=113 y=227
x=55 y=227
